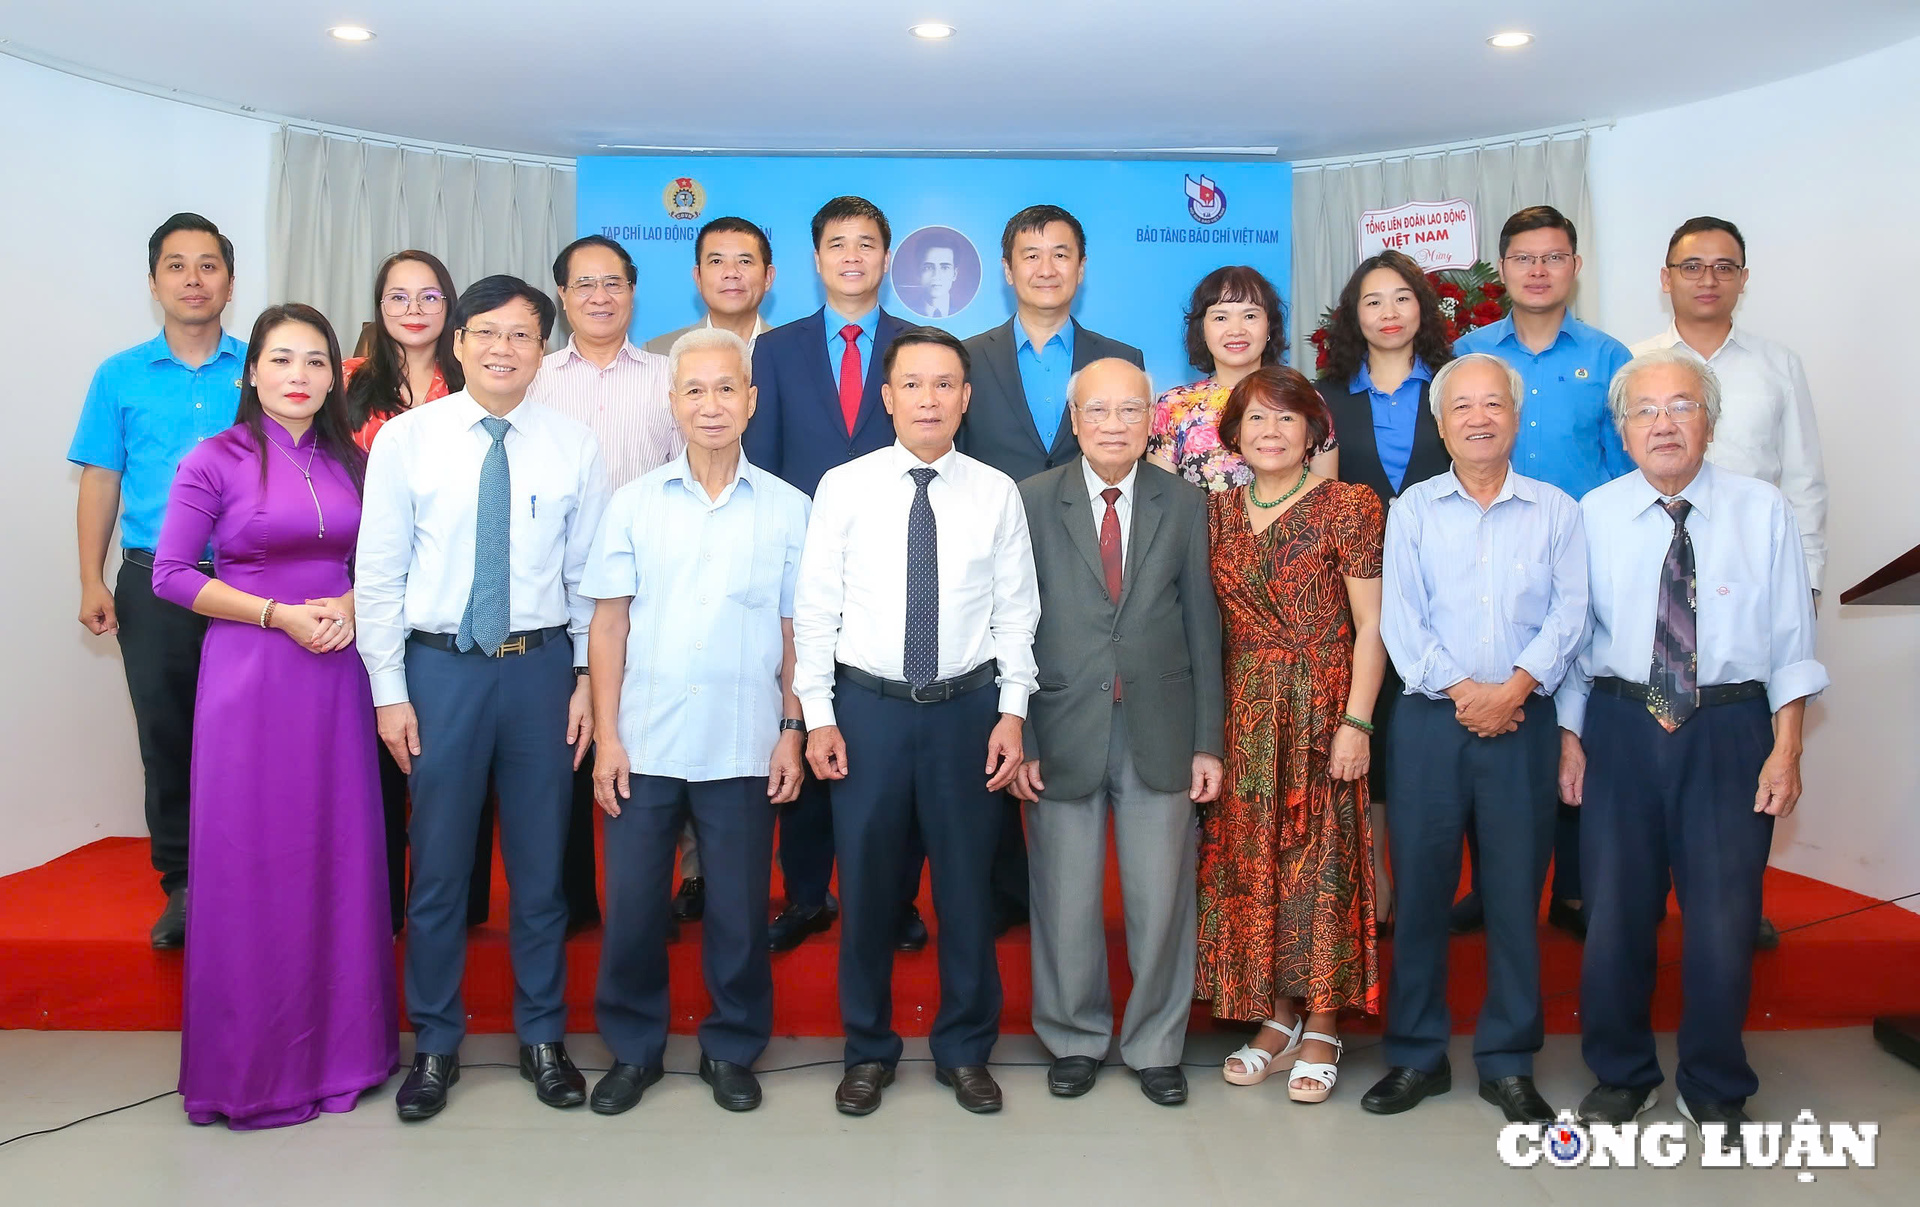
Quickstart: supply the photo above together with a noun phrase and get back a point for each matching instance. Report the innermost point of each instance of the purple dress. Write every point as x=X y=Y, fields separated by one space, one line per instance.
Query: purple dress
x=290 y=1007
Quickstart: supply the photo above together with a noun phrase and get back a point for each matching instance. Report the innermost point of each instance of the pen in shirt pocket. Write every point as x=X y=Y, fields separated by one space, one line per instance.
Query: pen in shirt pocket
x=533 y=507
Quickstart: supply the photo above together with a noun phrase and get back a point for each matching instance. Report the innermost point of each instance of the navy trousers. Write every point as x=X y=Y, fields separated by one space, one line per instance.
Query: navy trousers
x=910 y=762
x=508 y=716
x=1445 y=782
x=1680 y=802
x=806 y=851
x=733 y=823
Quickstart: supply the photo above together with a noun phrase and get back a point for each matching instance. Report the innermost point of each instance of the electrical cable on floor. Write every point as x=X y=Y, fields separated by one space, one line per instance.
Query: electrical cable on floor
x=1011 y=1064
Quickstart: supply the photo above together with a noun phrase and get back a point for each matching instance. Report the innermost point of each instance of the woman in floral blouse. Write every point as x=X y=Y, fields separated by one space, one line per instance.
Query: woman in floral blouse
x=1236 y=323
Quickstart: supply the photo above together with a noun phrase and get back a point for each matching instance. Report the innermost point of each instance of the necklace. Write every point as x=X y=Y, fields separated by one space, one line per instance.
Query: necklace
x=1253 y=491
x=306 y=472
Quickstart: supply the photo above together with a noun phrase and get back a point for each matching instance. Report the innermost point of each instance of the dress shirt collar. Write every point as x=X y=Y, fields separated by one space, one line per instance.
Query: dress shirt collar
x=1736 y=338
x=158 y=349
x=868 y=322
x=1064 y=336
x=1698 y=492
x=760 y=327
x=1096 y=484
x=469 y=412
x=904 y=461
x=1503 y=332
x=1363 y=380
x=1516 y=486
x=627 y=352
x=680 y=470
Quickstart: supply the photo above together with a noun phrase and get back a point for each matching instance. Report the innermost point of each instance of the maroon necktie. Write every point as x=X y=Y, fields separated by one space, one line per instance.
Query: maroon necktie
x=1672 y=682
x=850 y=383
x=1110 y=557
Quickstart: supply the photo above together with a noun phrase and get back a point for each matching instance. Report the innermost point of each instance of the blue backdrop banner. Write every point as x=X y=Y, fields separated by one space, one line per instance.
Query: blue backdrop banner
x=1154 y=228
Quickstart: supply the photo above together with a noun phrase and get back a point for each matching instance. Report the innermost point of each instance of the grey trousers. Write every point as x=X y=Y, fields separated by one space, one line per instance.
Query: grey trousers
x=1155 y=835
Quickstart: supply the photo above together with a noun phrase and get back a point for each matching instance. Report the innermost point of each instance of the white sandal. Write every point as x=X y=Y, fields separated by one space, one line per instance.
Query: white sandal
x=1324 y=1074
x=1257 y=1063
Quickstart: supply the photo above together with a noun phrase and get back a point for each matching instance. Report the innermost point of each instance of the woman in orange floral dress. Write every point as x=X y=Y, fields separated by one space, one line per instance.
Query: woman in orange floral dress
x=1286 y=868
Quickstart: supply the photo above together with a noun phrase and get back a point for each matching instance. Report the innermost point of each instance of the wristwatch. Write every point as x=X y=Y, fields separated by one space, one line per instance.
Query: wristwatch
x=579 y=672
x=792 y=723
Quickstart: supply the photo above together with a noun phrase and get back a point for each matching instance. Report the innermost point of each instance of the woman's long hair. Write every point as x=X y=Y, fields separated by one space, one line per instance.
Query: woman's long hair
x=377 y=385
x=1347 y=347
x=331 y=430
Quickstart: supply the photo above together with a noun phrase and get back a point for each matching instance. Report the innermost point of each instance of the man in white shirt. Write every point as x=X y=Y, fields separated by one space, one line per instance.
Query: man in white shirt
x=916 y=594
x=478 y=515
x=733 y=269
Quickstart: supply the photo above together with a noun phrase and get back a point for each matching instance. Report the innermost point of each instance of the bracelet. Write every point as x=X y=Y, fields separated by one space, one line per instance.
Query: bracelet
x=266 y=614
x=1365 y=727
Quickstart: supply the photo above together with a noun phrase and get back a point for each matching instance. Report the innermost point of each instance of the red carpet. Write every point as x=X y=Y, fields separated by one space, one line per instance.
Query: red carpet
x=74 y=956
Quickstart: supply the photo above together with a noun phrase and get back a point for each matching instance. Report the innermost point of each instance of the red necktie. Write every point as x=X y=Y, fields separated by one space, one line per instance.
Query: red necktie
x=1110 y=557
x=850 y=383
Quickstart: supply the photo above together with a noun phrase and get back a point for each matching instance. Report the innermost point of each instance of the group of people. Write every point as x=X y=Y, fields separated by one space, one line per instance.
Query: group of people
x=910 y=600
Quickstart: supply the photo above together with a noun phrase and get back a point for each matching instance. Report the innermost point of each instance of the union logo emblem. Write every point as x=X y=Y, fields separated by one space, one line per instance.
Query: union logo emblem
x=684 y=198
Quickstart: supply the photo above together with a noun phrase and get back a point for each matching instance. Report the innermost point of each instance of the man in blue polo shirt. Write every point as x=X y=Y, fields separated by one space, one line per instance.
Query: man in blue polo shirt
x=1567 y=435
x=146 y=409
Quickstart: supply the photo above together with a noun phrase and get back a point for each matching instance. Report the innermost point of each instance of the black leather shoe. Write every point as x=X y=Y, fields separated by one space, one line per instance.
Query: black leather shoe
x=793 y=924
x=735 y=1087
x=1466 y=916
x=1766 y=939
x=424 y=1093
x=1570 y=918
x=1702 y=1113
x=1518 y=1099
x=170 y=928
x=860 y=1086
x=973 y=1087
x=1165 y=1085
x=690 y=903
x=913 y=931
x=1072 y=1076
x=1616 y=1104
x=621 y=1088
x=551 y=1071
x=1404 y=1086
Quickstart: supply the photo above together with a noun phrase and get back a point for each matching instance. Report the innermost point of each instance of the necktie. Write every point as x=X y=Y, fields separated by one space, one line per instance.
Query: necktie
x=1672 y=689
x=850 y=383
x=489 y=606
x=1110 y=556
x=922 y=656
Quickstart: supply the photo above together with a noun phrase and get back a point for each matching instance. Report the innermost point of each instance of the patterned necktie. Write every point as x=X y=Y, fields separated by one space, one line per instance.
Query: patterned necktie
x=1672 y=688
x=922 y=656
x=850 y=383
x=489 y=607
x=1110 y=556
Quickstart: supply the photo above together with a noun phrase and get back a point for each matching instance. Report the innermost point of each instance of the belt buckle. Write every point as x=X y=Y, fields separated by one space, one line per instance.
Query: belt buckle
x=517 y=646
x=913 y=693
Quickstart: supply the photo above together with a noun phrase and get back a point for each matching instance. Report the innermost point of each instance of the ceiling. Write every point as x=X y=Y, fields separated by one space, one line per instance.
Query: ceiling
x=569 y=77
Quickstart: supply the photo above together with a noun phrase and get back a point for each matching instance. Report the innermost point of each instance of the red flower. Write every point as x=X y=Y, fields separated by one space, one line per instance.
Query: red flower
x=1453 y=331
x=1319 y=337
x=1494 y=290
x=1447 y=289
x=1484 y=313
x=1320 y=359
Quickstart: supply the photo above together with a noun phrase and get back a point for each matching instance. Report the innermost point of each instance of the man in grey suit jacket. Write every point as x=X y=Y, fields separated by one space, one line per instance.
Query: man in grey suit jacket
x=1128 y=718
x=733 y=269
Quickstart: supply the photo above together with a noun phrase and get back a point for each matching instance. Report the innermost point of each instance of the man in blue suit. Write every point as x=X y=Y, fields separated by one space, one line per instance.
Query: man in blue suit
x=819 y=406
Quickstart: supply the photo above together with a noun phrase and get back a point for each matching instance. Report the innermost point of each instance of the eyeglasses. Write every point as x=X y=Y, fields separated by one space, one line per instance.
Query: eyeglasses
x=1679 y=410
x=519 y=341
x=399 y=301
x=588 y=286
x=1693 y=270
x=1553 y=259
x=1130 y=413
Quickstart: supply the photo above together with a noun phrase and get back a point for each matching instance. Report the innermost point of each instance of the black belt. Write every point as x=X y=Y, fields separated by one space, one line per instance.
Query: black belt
x=1725 y=693
x=144 y=559
x=516 y=643
x=937 y=692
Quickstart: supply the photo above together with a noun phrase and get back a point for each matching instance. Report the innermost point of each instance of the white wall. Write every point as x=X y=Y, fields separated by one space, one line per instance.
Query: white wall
x=90 y=171
x=1820 y=174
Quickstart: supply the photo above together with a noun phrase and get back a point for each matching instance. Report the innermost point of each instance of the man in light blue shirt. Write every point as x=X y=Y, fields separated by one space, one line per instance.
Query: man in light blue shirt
x=1682 y=740
x=1484 y=608
x=692 y=658
x=146 y=409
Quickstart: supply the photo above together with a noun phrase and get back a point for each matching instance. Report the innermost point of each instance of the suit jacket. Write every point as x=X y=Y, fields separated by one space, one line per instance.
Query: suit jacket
x=797 y=430
x=663 y=344
x=1359 y=451
x=1162 y=638
x=999 y=427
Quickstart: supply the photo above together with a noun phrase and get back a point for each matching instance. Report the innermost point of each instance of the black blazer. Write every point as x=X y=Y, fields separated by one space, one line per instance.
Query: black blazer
x=1360 y=455
x=999 y=427
x=797 y=432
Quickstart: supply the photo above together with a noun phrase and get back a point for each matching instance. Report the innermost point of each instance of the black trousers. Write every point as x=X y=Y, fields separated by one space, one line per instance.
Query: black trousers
x=160 y=649
x=917 y=762
x=1659 y=802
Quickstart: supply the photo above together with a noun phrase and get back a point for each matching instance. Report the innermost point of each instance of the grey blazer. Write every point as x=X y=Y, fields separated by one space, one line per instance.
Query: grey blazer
x=998 y=427
x=1163 y=638
x=663 y=344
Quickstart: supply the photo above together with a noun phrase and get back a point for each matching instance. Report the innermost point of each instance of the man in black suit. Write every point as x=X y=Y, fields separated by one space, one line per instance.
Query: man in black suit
x=1017 y=421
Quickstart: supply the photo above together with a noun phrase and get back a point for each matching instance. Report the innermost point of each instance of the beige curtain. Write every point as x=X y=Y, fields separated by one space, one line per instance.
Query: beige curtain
x=1496 y=177
x=340 y=205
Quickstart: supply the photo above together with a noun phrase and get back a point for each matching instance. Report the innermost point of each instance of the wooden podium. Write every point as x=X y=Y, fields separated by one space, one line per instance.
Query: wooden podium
x=1897 y=582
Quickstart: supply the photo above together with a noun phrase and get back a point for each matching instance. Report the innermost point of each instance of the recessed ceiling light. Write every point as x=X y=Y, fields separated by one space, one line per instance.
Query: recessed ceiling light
x=1510 y=40
x=931 y=30
x=352 y=33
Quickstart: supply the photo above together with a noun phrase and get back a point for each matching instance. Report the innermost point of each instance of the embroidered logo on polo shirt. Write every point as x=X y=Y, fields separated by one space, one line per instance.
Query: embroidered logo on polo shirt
x=1580 y=373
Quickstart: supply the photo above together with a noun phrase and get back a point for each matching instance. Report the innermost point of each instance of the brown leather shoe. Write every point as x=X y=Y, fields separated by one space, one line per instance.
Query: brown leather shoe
x=973 y=1087
x=860 y=1086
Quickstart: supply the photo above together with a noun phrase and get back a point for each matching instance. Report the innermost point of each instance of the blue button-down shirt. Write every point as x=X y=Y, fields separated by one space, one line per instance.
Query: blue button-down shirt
x=1394 y=417
x=144 y=411
x=1754 y=607
x=1473 y=594
x=837 y=347
x=1043 y=376
x=710 y=580
x=1567 y=435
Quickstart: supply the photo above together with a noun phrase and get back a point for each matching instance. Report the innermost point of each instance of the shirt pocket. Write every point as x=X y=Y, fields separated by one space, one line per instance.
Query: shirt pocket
x=1534 y=581
x=1733 y=610
x=542 y=505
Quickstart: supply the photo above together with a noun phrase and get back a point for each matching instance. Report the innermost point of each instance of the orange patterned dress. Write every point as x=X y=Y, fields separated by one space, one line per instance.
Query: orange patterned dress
x=1286 y=863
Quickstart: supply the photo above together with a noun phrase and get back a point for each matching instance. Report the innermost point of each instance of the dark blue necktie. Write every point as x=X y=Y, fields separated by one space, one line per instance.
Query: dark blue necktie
x=489 y=607
x=922 y=659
